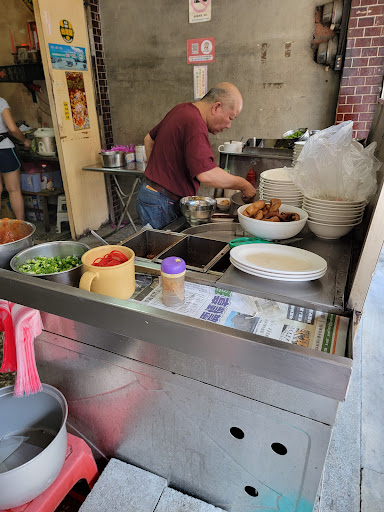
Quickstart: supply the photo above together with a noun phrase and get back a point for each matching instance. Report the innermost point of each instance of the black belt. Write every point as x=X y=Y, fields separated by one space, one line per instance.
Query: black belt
x=3 y=136
x=161 y=189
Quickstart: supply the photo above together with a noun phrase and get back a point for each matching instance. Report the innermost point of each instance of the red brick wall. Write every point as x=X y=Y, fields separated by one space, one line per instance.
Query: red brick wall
x=362 y=76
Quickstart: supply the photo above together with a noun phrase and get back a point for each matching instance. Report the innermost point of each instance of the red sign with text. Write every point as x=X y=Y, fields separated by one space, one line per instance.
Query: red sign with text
x=201 y=50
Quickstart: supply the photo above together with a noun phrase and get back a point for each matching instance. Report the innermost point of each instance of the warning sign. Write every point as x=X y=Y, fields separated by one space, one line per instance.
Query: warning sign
x=199 y=10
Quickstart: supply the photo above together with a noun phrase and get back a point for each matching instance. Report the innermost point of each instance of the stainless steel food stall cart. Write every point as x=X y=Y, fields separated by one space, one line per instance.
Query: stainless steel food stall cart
x=237 y=419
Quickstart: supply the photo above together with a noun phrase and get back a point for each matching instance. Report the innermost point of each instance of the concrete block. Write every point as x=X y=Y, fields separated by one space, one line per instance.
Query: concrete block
x=175 y=501
x=124 y=488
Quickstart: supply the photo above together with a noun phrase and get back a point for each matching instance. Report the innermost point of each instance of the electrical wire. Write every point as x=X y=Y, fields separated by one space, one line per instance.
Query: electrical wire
x=46 y=113
x=41 y=99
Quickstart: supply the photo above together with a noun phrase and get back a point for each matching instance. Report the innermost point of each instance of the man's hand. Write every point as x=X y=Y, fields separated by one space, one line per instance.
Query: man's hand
x=248 y=192
x=27 y=144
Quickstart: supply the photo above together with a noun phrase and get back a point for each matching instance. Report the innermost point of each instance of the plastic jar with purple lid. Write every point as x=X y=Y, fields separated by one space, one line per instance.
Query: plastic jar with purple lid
x=172 y=278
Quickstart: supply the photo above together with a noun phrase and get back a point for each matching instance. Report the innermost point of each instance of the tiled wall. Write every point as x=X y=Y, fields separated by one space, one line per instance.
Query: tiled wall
x=101 y=77
x=363 y=71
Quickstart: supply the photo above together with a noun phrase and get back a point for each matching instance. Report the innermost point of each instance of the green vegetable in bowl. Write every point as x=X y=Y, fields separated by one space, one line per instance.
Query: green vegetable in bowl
x=295 y=135
x=46 y=265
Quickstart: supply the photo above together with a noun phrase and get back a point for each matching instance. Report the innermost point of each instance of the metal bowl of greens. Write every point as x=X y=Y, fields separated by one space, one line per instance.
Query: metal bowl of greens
x=54 y=261
x=295 y=135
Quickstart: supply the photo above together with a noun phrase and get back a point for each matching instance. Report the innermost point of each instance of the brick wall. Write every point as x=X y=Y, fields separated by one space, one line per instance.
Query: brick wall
x=362 y=76
x=100 y=73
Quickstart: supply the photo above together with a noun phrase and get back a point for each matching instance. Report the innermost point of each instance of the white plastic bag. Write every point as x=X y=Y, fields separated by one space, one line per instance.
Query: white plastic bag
x=333 y=166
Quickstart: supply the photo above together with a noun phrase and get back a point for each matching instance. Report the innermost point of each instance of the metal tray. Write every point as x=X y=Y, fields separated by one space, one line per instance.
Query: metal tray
x=223 y=231
x=150 y=243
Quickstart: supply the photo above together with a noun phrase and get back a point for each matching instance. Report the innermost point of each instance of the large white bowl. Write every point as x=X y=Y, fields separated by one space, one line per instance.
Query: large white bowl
x=273 y=230
x=279 y=195
x=329 y=231
x=348 y=222
x=333 y=217
x=278 y=174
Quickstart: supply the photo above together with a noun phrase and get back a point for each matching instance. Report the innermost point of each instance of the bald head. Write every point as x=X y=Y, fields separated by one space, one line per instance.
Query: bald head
x=226 y=93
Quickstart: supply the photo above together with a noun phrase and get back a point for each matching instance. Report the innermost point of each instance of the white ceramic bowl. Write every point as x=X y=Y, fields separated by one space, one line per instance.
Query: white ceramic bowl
x=337 y=222
x=330 y=231
x=223 y=203
x=273 y=230
x=333 y=215
x=278 y=174
x=333 y=211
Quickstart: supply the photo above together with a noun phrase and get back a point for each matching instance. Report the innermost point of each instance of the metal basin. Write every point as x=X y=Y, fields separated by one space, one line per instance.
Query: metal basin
x=198 y=253
x=197 y=209
x=53 y=249
x=31 y=469
x=150 y=243
x=7 y=251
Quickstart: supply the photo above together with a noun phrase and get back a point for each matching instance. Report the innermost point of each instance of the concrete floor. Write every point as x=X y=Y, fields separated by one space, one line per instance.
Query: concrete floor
x=353 y=479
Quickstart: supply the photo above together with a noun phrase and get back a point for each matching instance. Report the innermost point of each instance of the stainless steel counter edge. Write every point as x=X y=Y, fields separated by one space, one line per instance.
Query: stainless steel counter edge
x=307 y=369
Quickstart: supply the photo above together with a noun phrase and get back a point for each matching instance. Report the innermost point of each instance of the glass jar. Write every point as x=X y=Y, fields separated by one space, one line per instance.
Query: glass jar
x=173 y=279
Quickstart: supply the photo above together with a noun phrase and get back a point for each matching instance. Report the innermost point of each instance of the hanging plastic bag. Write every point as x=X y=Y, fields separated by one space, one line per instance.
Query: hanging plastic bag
x=333 y=166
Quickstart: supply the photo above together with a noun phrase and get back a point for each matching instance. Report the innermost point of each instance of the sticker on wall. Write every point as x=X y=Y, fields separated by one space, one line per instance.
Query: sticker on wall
x=68 y=57
x=77 y=100
x=66 y=111
x=201 y=50
x=199 y=10
x=66 y=31
x=200 y=81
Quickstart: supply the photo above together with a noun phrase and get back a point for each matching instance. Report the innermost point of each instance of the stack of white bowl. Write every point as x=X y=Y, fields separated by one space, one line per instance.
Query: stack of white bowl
x=297 y=150
x=332 y=219
x=275 y=183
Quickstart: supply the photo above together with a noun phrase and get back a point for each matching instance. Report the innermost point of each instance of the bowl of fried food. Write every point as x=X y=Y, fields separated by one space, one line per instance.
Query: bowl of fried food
x=272 y=221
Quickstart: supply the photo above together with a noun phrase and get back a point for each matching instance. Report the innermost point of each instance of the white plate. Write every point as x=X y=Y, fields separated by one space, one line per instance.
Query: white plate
x=279 y=277
x=280 y=259
x=278 y=174
x=276 y=274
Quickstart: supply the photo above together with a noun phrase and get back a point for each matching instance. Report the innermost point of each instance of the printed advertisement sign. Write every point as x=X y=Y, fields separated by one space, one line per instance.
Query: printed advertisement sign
x=200 y=81
x=201 y=50
x=199 y=10
x=66 y=31
x=68 y=57
x=77 y=100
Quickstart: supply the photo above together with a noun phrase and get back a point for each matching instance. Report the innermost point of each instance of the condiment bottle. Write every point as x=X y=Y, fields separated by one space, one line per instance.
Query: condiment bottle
x=251 y=177
x=43 y=177
x=173 y=278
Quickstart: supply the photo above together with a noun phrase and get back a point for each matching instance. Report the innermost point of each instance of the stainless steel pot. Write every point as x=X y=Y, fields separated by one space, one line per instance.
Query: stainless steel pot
x=113 y=158
x=31 y=469
x=53 y=249
x=7 y=251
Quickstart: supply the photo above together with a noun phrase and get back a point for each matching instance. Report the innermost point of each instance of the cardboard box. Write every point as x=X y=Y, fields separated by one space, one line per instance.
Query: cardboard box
x=30 y=182
x=33 y=203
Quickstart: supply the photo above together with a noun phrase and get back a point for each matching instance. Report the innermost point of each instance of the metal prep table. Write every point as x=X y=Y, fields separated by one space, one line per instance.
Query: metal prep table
x=115 y=172
x=236 y=419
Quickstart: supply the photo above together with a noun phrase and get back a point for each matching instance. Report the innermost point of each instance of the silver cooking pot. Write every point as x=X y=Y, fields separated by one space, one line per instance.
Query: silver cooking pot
x=7 y=251
x=40 y=421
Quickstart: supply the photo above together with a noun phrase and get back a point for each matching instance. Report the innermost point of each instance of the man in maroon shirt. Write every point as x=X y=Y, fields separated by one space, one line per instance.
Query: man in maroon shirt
x=180 y=157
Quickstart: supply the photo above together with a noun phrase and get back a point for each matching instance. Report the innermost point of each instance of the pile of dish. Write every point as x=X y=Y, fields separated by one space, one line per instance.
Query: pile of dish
x=275 y=183
x=279 y=262
x=297 y=150
x=332 y=219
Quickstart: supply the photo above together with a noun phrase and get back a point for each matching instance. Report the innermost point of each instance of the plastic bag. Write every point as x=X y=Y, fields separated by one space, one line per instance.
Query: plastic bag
x=333 y=166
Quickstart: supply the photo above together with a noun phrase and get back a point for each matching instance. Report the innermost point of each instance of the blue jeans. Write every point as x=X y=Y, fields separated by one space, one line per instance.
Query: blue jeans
x=155 y=208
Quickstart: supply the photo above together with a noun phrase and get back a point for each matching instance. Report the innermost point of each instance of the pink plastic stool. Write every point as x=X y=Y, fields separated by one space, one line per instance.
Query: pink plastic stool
x=79 y=463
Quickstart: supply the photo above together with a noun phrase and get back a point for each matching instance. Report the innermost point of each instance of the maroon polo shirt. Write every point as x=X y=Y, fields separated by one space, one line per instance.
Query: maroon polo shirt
x=181 y=151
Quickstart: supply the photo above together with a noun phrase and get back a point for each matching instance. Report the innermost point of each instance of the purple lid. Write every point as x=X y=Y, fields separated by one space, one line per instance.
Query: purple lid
x=173 y=265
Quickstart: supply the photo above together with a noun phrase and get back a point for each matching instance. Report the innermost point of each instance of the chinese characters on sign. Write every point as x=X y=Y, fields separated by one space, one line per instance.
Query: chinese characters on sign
x=199 y=10
x=201 y=50
x=200 y=81
x=66 y=31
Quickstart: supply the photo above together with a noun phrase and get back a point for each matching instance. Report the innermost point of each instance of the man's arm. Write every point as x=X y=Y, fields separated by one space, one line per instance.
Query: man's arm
x=148 y=144
x=218 y=178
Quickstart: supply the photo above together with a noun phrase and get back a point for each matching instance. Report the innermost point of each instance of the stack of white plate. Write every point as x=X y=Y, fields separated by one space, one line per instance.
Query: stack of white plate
x=275 y=183
x=332 y=219
x=297 y=150
x=279 y=262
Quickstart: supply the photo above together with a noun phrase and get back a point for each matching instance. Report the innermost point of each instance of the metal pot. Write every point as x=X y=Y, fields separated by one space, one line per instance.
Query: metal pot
x=37 y=462
x=113 y=158
x=52 y=249
x=7 y=251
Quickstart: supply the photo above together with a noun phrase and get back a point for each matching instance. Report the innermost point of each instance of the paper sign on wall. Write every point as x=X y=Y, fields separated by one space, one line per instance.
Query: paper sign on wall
x=77 y=100
x=66 y=111
x=200 y=81
x=199 y=10
x=201 y=50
